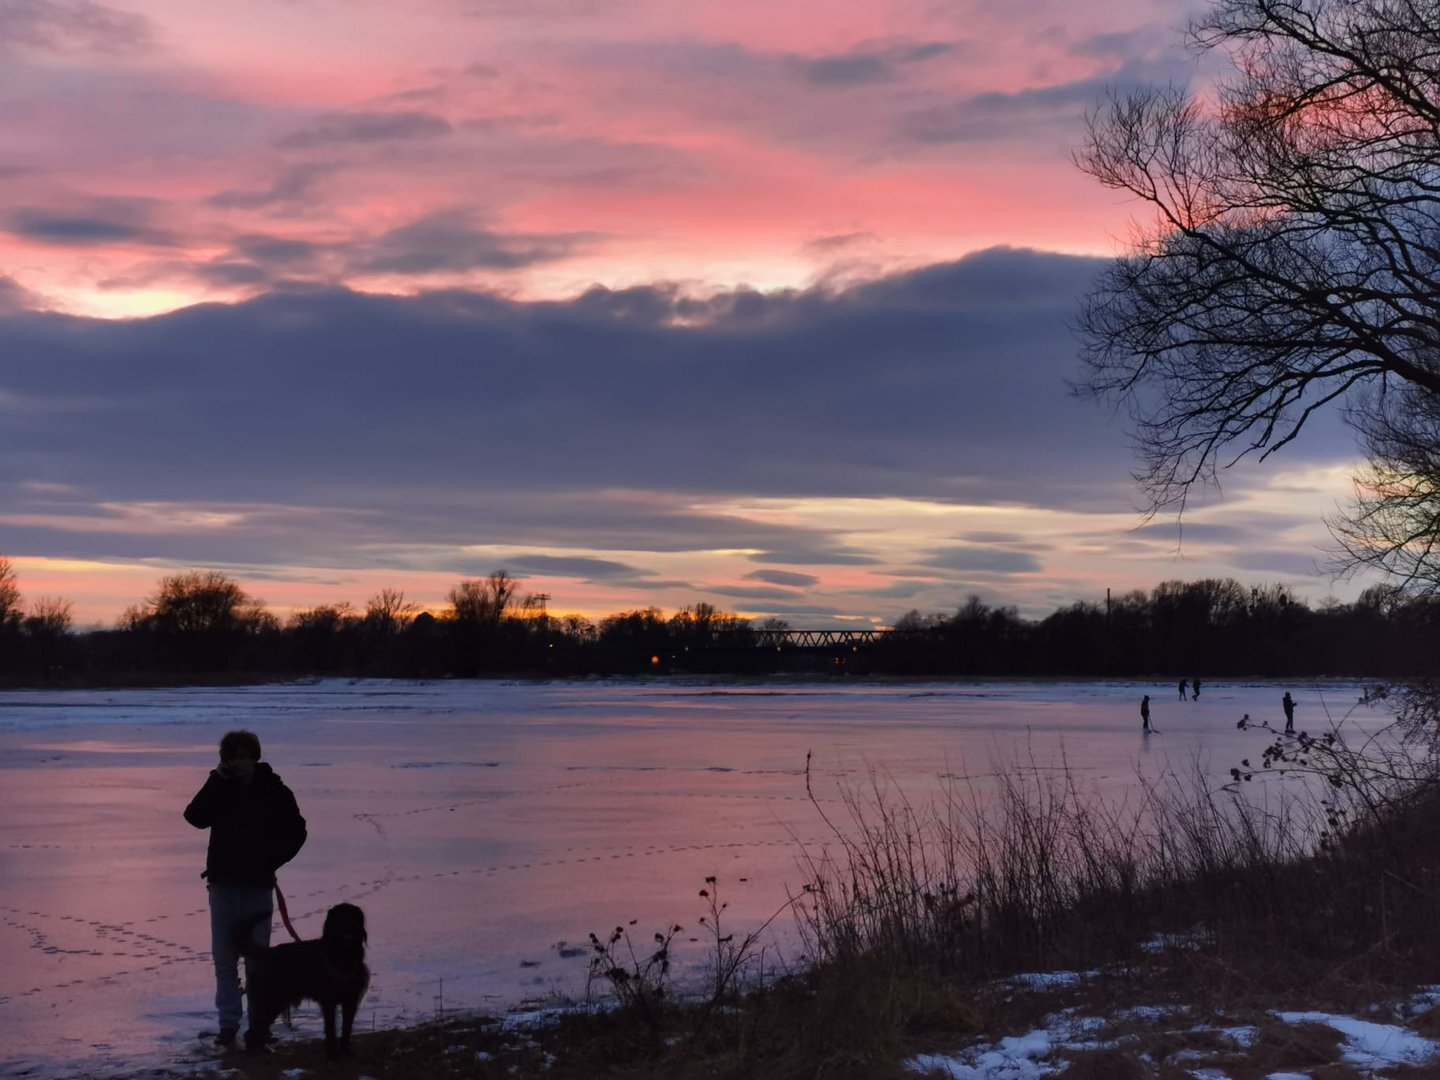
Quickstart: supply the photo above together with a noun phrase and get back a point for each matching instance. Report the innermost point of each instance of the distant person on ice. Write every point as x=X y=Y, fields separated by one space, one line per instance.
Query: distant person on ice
x=1288 y=704
x=1182 y=689
x=1194 y=689
x=255 y=828
x=1145 y=713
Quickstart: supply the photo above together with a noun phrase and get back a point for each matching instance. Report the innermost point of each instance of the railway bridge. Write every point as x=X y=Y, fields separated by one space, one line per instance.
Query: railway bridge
x=789 y=649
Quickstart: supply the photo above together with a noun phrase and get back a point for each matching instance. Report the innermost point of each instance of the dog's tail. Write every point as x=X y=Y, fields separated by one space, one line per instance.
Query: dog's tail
x=245 y=943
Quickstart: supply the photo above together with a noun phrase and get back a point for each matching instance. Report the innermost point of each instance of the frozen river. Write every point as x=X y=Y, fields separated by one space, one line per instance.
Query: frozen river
x=488 y=827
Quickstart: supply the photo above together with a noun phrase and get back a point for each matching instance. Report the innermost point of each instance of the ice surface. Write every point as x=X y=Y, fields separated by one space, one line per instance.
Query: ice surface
x=488 y=827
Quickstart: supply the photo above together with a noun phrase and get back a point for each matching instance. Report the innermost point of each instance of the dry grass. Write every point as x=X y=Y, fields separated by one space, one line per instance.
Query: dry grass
x=915 y=916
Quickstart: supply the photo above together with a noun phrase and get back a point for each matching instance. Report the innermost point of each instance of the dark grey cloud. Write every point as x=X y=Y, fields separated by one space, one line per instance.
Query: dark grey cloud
x=1299 y=564
x=294 y=186
x=451 y=241
x=67 y=26
x=366 y=127
x=339 y=428
x=871 y=63
x=572 y=566
x=439 y=243
x=15 y=298
x=822 y=554
x=658 y=585
x=971 y=558
x=755 y=593
x=902 y=589
x=115 y=225
x=783 y=577
x=1152 y=42
x=981 y=537
x=996 y=115
x=229 y=272
x=261 y=260
x=829 y=245
x=277 y=249
x=1258 y=527
x=524 y=567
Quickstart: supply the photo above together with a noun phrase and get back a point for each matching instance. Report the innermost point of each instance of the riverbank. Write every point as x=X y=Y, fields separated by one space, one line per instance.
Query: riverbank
x=1180 y=943
x=487 y=827
x=1126 y=1024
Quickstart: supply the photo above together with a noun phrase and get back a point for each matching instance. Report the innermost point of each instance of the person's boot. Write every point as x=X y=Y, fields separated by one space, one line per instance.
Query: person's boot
x=226 y=1039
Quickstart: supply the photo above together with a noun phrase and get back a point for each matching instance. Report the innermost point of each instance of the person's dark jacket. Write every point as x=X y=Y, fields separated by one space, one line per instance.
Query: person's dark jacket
x=255 y=828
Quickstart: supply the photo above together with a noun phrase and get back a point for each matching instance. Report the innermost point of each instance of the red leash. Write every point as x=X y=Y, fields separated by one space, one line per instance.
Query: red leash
x=284 y=912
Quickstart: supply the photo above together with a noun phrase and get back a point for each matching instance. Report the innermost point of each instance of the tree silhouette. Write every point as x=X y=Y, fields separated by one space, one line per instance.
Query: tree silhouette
x=50 y=617
x=388 y=612
x=483 y=602
x=1393 y=525
x=323 y=637
x=1291 y=259
x=488 y=623
x=47 y=630
x=11 y=608
x=201 y=620
x=201 y=602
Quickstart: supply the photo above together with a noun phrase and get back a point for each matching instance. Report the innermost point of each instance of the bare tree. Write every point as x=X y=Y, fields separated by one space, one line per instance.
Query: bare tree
x=388 y=612
x=323 y=618
x=578 y=629
x=50 y=617
x=200 y=602
x=486 y=602
x=915 y=620
x=1293 y=255
x=1393 y=524
x=11 y=609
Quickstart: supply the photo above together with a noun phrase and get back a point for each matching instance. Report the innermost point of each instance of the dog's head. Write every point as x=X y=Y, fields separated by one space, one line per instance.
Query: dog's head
x=344 y=930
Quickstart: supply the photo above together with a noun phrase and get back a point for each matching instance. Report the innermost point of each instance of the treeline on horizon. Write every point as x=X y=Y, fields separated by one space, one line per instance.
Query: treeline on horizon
x=202 y=625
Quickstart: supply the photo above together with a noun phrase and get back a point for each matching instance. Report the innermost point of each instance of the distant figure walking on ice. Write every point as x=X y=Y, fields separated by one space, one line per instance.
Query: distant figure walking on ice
x=1145 y=713
x=1182 y=689
x=1288 y=703
x=1194 y=689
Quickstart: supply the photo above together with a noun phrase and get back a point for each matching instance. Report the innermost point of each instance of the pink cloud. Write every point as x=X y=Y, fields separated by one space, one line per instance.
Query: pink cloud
x=682 y=137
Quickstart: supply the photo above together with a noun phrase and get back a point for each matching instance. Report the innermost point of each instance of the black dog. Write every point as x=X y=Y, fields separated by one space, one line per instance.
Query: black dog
x=329 y=970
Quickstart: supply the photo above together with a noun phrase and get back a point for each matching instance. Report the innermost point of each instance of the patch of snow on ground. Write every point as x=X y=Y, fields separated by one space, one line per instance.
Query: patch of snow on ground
x=1039 y=1053
x=1423 y=1000
x=1046 y=980
x=1239 y=1036
x=1018 y=1057
x=1014 y=1058
x=1150 y=1013
x=1194 y=939
x=1372 y=1045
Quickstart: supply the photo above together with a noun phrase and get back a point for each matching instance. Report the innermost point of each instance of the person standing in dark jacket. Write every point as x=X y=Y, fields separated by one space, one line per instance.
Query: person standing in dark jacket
x=255 y=828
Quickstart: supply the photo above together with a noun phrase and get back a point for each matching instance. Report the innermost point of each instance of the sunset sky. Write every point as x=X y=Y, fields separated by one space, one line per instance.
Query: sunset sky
x=763 y=304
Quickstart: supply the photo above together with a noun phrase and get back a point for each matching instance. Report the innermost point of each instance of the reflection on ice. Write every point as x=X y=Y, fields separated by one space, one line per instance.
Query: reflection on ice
x=487 y=828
